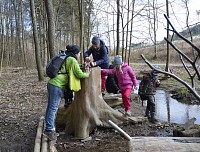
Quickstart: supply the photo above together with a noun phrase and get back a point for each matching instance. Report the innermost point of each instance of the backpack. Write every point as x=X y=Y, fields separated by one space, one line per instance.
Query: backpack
x=55 y=64
x=147 y=87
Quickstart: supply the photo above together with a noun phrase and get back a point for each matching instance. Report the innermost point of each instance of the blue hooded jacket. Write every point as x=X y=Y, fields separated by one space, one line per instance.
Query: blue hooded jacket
x=100 y=56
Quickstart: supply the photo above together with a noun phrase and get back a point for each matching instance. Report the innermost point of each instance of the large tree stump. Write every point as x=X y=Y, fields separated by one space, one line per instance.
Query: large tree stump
x=88 y=110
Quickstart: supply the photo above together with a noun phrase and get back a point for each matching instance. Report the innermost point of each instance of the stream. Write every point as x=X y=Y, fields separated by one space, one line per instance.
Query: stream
x=172 y=111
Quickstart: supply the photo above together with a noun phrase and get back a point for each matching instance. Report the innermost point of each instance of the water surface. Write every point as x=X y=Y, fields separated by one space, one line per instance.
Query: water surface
x=172 y=111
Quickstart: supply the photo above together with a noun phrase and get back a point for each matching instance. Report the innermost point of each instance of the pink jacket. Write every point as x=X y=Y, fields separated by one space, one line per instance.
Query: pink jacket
x=127 y=79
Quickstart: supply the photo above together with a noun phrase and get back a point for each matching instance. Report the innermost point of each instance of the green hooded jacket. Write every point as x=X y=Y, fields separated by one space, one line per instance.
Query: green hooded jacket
x=61 y=80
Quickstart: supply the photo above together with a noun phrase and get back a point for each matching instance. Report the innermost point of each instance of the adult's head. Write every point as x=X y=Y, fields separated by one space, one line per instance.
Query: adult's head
x=95 y=43
x=75 y=49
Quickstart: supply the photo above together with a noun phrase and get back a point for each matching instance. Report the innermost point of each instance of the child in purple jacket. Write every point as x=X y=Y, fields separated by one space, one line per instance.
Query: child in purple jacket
x=126 y=80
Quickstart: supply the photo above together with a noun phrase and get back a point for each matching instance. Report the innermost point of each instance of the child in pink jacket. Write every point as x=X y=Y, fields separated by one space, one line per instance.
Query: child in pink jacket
x=126 y=80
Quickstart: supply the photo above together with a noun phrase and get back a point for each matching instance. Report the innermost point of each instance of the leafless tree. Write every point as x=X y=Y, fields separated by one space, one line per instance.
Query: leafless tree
x=153 y=23
x=187 y=21
x=2 y=38
x=118 y=21
x=168 y=53
x=36 y=41
x=194 y=63
x=51 y=27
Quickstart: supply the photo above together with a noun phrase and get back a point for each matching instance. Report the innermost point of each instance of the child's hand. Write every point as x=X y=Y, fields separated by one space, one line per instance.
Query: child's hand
x=135 y=87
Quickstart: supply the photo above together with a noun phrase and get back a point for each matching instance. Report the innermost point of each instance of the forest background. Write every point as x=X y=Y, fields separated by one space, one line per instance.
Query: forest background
x=31 y=32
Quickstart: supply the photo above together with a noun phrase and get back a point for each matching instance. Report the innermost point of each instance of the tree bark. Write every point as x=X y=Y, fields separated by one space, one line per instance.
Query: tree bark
x=51 y=27
x=2 y=40
x=88 y=110
x=168 y=52
x=118 y=16
x=36 y=42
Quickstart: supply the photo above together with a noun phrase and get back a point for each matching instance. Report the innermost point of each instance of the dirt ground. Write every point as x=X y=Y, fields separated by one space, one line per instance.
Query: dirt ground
x=23 y=101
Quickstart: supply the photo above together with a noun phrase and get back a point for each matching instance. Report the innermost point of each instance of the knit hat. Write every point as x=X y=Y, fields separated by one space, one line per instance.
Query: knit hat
x=95 y=40
x=68 y=47
x=117 y=60
x=75 y=49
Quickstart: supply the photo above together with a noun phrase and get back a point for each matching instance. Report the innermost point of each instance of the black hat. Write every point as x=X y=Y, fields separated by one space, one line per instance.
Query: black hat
x=75 y=49
x=95 y=40
x=68 y=47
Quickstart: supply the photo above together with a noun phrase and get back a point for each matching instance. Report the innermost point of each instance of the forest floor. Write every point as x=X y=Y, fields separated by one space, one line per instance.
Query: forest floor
x=23 y=101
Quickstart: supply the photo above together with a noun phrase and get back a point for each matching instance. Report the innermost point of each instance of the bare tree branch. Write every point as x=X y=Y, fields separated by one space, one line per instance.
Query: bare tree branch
x=183 y=38
x=193 y=90
x=189 y=73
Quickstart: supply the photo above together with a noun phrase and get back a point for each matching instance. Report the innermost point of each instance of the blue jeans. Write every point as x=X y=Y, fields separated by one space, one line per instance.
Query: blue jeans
x=54 y=98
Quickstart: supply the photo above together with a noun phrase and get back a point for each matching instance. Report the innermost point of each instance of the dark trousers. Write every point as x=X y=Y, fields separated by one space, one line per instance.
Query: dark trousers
x=150 y=109
x=68 y=96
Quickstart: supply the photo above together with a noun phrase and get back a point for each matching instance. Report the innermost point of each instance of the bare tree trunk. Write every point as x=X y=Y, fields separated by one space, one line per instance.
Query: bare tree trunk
x=114 y=33
x=36 y=41
x=2 y=39
x=72 y=24
x=154 y=28
x=23 y=41
x=127 y=31
x=17 y=36
x=132 y=14
x=88 y=110
x=118 y=16
x=51 y=27
x=168 y=53
x=187 y=24
x=7 y=36
x=12 y=54
x=88 y=29
x=81 y=14
x=123 y=29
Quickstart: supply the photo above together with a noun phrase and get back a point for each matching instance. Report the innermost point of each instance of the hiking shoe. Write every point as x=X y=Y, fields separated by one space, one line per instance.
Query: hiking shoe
x=51 y=135
x=128 y=113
